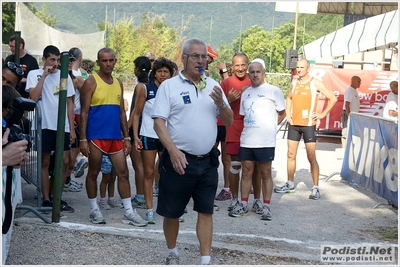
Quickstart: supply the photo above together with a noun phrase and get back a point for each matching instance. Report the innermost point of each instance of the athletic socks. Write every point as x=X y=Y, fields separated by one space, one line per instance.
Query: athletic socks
x=127 y=205
x=93 y=204
x=205 y=260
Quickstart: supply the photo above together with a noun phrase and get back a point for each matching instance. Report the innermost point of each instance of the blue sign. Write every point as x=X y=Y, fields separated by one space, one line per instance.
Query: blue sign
x=371 y=156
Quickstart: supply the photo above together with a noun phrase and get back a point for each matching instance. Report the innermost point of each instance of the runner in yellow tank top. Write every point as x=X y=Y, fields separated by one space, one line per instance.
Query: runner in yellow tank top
x=302 y=117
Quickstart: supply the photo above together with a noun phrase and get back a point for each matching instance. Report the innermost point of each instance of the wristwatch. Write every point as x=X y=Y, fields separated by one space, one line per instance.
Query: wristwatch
x=222 y=106
x=223 y=71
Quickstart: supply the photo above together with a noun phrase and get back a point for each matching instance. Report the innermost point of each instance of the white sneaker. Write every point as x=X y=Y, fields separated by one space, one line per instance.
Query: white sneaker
x=104 y=205
x=97 y=217
x=134 y=219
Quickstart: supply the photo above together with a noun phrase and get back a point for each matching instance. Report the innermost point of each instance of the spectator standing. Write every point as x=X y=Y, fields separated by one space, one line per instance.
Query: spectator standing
x=13 y=157
x=263 y=108
x=391 y=109
x=351 y=104
x=148 y=142
x=26 y=61
x=43 y=85
x=301 y=106
x=104 y=130
x=184 y=119
x=141 y=71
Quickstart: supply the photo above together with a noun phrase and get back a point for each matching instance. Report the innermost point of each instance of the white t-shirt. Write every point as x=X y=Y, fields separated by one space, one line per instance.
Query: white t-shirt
x=190 y=113
x=49 y=98
x=391 y=104
x=351 y=95
x=77 y=109
x=260 y=107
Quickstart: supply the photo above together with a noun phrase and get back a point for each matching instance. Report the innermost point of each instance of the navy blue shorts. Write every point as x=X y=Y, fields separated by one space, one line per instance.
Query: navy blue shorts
x=49 y=141
x=262 y=154
x=221 y=134
x=308 y=133
x=199 y=182
x=152 y=144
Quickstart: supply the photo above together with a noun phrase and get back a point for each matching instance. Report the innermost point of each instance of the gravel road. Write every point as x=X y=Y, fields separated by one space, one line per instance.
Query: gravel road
x=343 y=216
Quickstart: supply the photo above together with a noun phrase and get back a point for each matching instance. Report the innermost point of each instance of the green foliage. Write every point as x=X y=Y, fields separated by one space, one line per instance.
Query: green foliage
x=8 y=17
x=280 y=80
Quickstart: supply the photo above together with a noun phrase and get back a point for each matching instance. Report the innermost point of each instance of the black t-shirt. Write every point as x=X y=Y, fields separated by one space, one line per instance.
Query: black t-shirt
x=31 y=64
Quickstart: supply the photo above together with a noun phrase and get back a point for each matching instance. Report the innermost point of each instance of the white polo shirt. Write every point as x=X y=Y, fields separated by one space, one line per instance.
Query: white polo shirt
x=391 y=104
x=189 y=112
x=351 y=95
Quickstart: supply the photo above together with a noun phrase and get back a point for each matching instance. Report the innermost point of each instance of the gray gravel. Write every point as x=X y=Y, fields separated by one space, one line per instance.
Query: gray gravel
x=343 y=215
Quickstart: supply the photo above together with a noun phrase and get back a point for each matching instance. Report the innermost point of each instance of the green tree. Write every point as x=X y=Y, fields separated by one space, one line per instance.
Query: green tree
x=8 y=17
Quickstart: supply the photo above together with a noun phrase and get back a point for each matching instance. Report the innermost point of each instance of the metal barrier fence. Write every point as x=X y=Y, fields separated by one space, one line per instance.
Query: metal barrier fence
x=31 y=171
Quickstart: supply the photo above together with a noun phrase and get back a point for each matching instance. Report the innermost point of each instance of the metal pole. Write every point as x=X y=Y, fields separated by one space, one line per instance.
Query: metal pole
x=17 y=45
x=295 y=25
x=272 y=40
x=59 y=153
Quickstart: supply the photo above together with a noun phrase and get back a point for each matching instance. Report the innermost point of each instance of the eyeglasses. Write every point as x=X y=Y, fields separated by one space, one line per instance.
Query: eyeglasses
x=15 y=67
x=196 y=56
x=152 y=60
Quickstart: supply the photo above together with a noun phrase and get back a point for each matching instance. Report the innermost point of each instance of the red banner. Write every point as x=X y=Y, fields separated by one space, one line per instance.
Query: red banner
x=373 y=92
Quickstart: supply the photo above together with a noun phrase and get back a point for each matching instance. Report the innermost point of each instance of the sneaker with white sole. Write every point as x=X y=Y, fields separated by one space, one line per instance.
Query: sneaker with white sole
x=172 y=259
x=113 y=203
x=234 y=202
x=104 y=205
x=97 y=217
x=80 y=167
x=138 y=204
x=224 y=195
x=72 y=187
x=258 y=207
x=239 y=210
x=150 y=217
x=315 y=195
x=266 y=215
x=286 y=188
x=134 y=219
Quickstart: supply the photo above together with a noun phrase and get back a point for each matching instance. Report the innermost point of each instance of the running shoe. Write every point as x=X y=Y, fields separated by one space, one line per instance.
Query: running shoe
x=80 y=167
x=113 y=203
x=134 y=219
x=65 y=207
x=239 y=210
x=138 y=204
x=72 y=187
x=216 y=208
x=104 y=205
x=224 y=195
x=266 y=215
x=286 y=188
x=172 y=259
x=97 y=217
x=258 y=207
x=155 y=192
x=234 y=202
x=315 y=195
x=150 y=217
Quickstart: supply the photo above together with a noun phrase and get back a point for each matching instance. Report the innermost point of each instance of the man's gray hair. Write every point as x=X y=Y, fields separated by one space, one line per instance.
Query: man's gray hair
x=189 y=42
x=76 y=52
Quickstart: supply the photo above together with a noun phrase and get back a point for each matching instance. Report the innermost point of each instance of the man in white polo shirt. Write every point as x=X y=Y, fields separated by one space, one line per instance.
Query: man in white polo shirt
x=184 y=114
x=351 y=104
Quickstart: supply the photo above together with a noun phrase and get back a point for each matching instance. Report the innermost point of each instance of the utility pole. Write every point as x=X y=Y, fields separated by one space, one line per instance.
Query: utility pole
x=295 y=25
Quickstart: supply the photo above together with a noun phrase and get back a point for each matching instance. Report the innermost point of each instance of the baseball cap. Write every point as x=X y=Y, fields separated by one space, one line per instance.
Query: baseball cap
x=211 y=52
x=67 y=53
x=259 y=60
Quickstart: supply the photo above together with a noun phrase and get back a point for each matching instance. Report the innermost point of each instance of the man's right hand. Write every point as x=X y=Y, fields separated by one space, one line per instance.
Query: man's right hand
x=14 y=154
x=84 y=148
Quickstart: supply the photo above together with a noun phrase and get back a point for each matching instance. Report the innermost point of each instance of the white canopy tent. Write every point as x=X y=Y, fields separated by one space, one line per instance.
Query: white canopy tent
x=373 y=33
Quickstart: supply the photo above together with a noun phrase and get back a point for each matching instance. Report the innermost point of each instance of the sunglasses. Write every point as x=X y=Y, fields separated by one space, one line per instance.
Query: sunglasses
x=163 y=59
x=15 y=67
x=152 y=60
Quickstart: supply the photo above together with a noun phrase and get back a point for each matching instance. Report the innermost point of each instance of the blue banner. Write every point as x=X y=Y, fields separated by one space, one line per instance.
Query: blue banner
x=370 y=158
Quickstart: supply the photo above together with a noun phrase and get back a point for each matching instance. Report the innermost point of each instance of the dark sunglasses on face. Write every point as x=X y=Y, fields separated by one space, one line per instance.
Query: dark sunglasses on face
x=15 y=67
